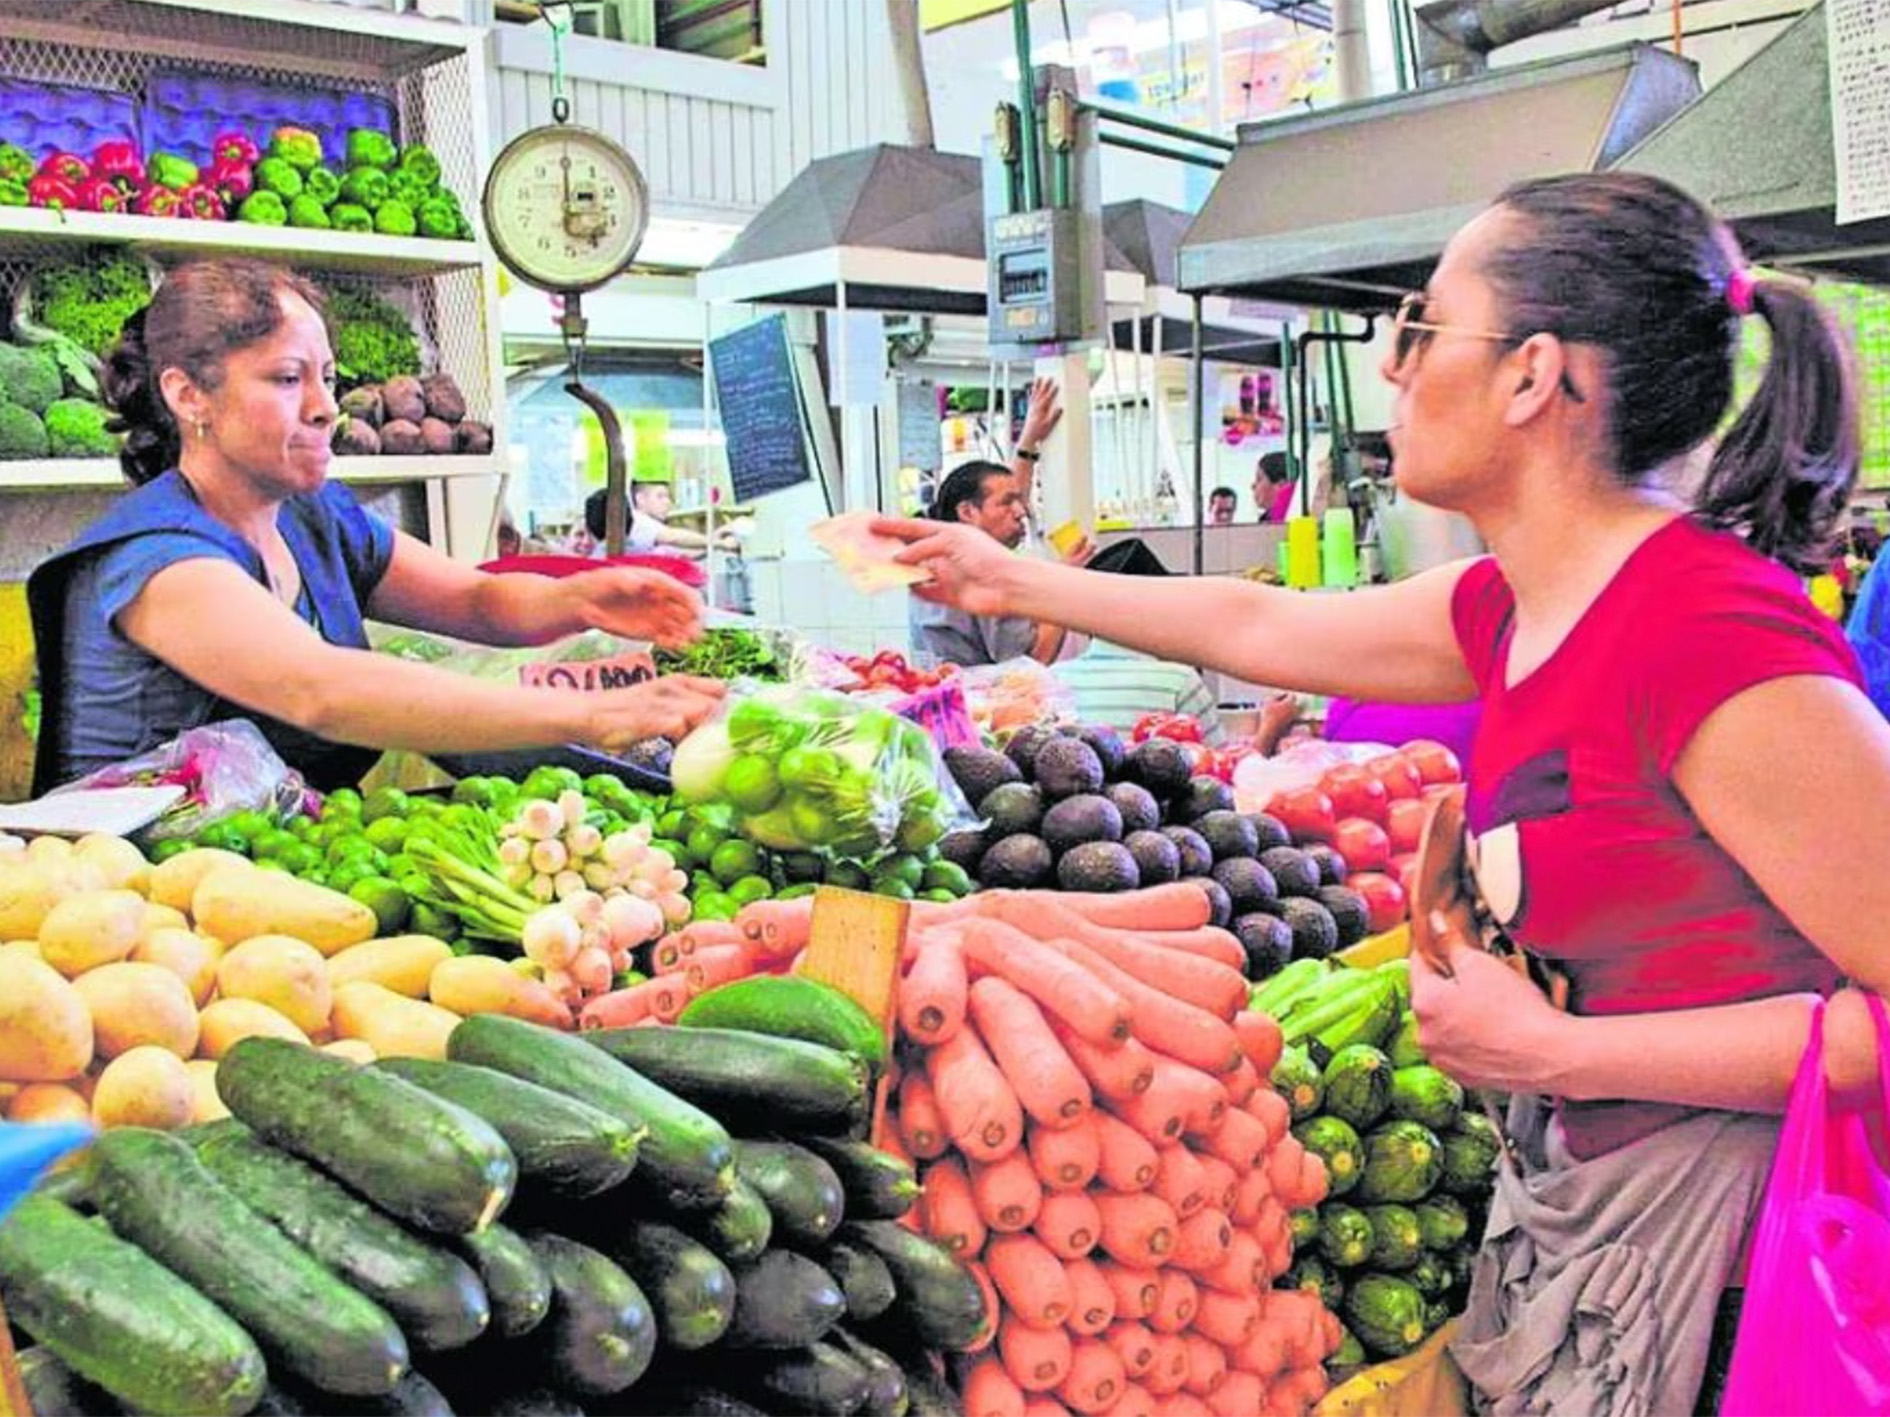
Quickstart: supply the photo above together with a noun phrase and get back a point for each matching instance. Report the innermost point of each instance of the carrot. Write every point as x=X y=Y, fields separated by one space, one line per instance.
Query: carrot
x=1161 y=1021
x=1273 y=1228
x=1136 y=1401
x=1259 y=1036
x=716 y=964
x=981 y=1112
x=1137 y=1230
x=620 y=1008
x=777 y=930
x=1239 y=1395
x=1207 y=1364
x=666 y=955
x=1205 y=1098
x=1301 y=1318
x=1210 y=942
x=1115 y=1071
x=1069 y=1224
x=1178 y=906
x=951 y=1211
x=1006 y=1192
x=1077 y=998
x=1255 y=1191
x=669 y=998
x=993 y=1308
x=1066 y=1159
x=990 y=1392
x=1039 y=1404
x=1202 y=1240
x=1226 y=1318
x=1175 y=1303
x=1220 y=1180
x=1240 y=1140
x=1241 y=1084
x=1264 y=1352
x=919 y=1122
x=1038 y=1359
x=1185 y=1404
x=1170 y=1368
x=1241 y=1271
x=1136 y=1290
x=1096 y=1378
x=1048 y=1084
x=1300 y=1391
x=1179 y=1180
x=1289 y=1177
x=1128 y=1160
x=1134 y=1344
x=1270 y=1110
x=1095 y=1306
x=932 y=993
x=1161 y=1113
x=1195 y=979
x=1033 y=1282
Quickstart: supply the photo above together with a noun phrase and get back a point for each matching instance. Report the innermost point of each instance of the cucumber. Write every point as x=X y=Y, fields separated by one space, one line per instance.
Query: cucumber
x=928 y=1395
x=864 y=1279
x=784 y=1300
x=738 y=1229
x=562 y=1143
x=536 y=1402
x=886 y=1390
x=694 y=1400
x=433 y=1294
x=413 y=1396
x=748 y=1081
x=686 y=1157
x=817 y=1380
x=418 y=1158
x=878 y=1186
x=939 y=1298
x=153 y=1191
x=600 y=1336
x=516 y=1280
x=54 y=1390
x=67 y=1184
x=790 y=1006
x=691 y=1290
x=802 y=1191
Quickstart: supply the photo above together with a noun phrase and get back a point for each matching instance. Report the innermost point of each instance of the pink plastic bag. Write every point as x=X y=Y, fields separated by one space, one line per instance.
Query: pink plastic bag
x=1814 y=1337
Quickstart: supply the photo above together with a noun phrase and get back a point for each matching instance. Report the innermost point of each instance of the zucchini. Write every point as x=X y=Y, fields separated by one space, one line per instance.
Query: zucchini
x=784 y=1300
x=153 y=1191
x=536 y=1402
x=418 y=1158
x=433 y=1294
x=413 y=1396
x=738 y=1229
x=802 y=1191
x=878 y=1186
x=790 y=1006
x=694 y=1400
x=864 y=1279
x=562 y=1143
x=749 y=1081
x=67 y=1184
x=278 y=1402
x=886 y=1390
x=818 y=1380
x=516 y=1280
x=927 y=1394
x=686 y=1157
x=600 y=1336
x=691 y=1290
x=939 y=1298
x=54 y=1390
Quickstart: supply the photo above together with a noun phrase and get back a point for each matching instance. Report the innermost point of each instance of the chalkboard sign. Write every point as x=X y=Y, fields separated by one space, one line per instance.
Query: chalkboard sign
x=760 y=404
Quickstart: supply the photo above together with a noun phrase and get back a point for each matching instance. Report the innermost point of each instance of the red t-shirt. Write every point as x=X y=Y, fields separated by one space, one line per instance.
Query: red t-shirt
x=1585 y=849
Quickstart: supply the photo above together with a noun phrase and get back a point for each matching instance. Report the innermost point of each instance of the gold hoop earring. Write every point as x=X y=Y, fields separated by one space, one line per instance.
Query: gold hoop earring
x=203 y=429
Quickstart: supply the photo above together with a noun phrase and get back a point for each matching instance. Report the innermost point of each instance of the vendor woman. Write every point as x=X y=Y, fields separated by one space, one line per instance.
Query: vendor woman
x=234 y=580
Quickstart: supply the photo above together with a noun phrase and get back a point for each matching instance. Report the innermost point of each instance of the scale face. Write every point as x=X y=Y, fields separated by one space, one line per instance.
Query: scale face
x=566 y=207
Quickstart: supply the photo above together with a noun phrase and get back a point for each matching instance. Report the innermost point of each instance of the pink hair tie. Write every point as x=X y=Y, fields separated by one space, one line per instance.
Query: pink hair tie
x=1741 y=286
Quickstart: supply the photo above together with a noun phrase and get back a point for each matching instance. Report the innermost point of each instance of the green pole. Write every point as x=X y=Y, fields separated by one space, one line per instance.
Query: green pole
x=1027 y=102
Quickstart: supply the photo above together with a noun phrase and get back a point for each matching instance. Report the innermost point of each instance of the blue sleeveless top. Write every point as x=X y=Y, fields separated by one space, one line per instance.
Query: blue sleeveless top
x=1869 y=631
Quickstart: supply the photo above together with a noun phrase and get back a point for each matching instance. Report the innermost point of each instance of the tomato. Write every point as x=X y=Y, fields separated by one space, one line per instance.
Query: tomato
x=1399 y=777
x=1363 y=844
x=1434 y=790
x=1404 y=869
x=1200 y=756
x=1385 y=901
x=1434 y=762
x=1356 y=793
x=1405 y=823
x=1306 y=812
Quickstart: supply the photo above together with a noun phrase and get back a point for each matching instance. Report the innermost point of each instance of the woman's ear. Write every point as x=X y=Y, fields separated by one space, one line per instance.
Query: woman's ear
x=1540 y=368
x=182 y=397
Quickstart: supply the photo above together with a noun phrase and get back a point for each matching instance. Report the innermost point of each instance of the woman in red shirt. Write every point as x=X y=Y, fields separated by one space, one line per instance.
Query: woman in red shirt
x=1677 y=782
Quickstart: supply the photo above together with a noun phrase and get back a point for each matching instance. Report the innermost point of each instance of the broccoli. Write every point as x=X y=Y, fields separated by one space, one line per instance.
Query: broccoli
x=29 y=377
x=373 y=342
x=346 y=216
x=89 y=298
x=75 y=428
x=394 y=218
x=22 y=435
x=279 y=175
x=368 y=147
x=307 y=211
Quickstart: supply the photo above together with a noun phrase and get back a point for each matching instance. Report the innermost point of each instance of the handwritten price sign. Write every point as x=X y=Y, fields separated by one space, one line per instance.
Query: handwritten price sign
x=617 y=672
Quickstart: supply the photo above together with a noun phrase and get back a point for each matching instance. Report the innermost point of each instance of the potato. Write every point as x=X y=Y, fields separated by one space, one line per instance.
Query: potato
x=353 y=1049
x=480 y=984
x=121 y=864
x=175 y=881
x=48 y=848
x=137 y=1004
x=49 y=1102
x=207 y=1102
x=163 y=917
x=147 y=1087
x=29 y=948
x=282 y=972
x=403 y=963
x=238 y=904
x=45 y=1028
x=190 y=956
x=91 y=928
x=228 y=1021
x=28 y=892
x=392 y=1025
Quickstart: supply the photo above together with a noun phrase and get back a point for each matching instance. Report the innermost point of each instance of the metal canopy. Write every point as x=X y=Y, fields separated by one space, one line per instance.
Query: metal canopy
x=1347 y=208
x=1149 y=234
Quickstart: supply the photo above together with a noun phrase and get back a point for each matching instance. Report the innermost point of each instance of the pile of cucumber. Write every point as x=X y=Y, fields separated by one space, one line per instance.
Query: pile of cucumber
x=641 y=1221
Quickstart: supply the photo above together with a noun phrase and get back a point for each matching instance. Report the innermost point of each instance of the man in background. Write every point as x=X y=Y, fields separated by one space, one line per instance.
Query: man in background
x=984 y=495
x=1222 y=502
x=648 y=529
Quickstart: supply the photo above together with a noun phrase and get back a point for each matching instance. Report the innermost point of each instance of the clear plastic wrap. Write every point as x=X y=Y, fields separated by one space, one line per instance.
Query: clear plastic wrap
x=224 y=768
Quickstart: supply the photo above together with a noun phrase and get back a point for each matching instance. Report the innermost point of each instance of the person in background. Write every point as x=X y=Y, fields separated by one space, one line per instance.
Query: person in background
x=1869 y=631
x=1222 y=502
x=648 y=529
x=985 y=497
x=1637 y=652
x=233 y=580
x=1273 y=487
x=1043 y=411
x=506 y=541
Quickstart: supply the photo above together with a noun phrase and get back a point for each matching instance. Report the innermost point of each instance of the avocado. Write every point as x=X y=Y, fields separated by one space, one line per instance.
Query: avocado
x=1140 y=812
x=1220 y=905
x=1349 y=913
x=1294 y=871
x=1268 y=941
x=1197 y=857
x=1270 y=831
x=1248 y=884
x=1315 y=934
x=1160 y=766
x=1098 y=866
x=1077 y=820
x=1332 y=867
x=1227 y=834
x=1204 y=794
x=1106 y=744
x=1016 y=862
x=1013 y=808
x=1156 y=857
x=1022 y=749
x=1067 y=767
x=963 y=849
x=979 y=771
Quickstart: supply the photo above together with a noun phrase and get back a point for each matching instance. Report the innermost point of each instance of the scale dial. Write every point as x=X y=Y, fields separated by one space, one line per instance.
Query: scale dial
x=566 y=207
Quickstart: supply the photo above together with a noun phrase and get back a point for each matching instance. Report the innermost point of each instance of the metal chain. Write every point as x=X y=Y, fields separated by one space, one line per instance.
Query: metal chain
x=558 y=16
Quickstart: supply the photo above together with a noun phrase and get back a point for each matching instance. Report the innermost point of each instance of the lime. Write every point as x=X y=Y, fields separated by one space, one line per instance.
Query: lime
x=946 y=876
x=749 y=889
x=272 y=866
x=909 y=869
x=941 y=897
x=426 y=920
x=224 y=837
x=702 y=883
x=299 y=857
x=800 y=866
x=805 y=888
x=251 y=824
x=301 y=828
x=849 y=874
x=384 y=802
x=673 y=823
x=351 y=847
x=732 y=860
x=165 y=850
x=386 y=899
x=809 y=820
x=400 y=864
x=342 y=875
x=713 y=905
x=475 y=791
x=388 y=833
x=702 y=844
x=810 y=767
x=751 y=784
x=675 y=850
x=425 y=809
x=894 y=887
x=920 y=830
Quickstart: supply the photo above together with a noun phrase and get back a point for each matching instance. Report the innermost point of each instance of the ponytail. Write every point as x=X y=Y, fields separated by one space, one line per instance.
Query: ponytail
x=152 y=443
x=1782 y=474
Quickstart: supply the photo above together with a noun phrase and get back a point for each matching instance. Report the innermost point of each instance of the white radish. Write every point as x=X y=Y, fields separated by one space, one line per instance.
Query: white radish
x=674 y=881
x=571 y=807
x=569 y=883
x=519 y=876
x=560 y=982
x=631 y=920
x=584 y=840
x=584 y=906
x=549 y=856
x=624 y=852
x=542 y=889
x=540 y=821
x=643 y=890
x=599 y=877
x=675 y=907
x=642 y=832
x=515 y=851
x=552 y=937
x=590 y=971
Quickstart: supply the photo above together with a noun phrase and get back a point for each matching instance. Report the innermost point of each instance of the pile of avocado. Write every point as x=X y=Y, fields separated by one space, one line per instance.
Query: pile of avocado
x=1076 y=809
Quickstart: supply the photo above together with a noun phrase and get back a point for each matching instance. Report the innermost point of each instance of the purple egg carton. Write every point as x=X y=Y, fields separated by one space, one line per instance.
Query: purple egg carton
x=183 y=112
x=50 y=118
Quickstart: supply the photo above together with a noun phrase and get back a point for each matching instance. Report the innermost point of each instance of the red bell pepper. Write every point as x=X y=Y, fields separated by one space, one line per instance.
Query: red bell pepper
x=161 y=201
x=234 y=148
x=102 y=194
x=46 y=190
x=201 y=203
x=65 y=167
x=231 y=181
x=120 y=161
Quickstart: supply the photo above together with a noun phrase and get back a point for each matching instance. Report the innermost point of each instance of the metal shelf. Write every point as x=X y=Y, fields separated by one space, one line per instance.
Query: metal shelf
x=104 y=474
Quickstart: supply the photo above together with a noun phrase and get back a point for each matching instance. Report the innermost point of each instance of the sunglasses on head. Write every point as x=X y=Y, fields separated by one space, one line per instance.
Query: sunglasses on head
x=1411 y=332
